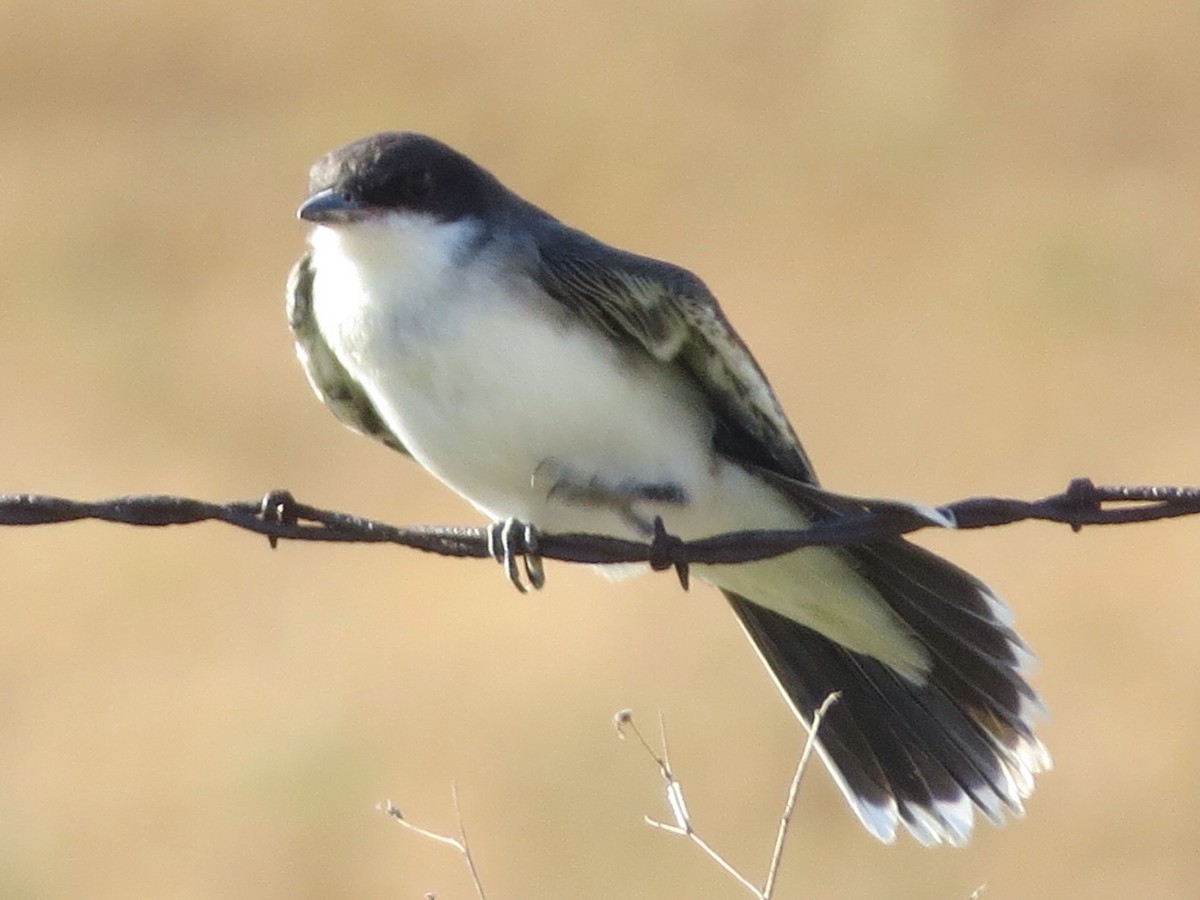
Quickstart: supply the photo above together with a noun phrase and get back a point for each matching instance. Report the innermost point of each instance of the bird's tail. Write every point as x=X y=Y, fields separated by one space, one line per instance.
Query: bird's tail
x=926 y=752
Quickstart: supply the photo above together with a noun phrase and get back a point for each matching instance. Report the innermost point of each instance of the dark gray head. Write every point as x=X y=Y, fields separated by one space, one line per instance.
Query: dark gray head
x=398 y=171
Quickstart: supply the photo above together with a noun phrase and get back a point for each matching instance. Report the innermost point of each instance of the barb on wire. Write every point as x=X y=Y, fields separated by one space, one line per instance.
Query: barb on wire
x=840 y=520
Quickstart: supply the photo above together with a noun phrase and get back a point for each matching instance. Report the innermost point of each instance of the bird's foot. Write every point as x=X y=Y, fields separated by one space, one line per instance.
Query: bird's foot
x=514 y=544
x=573 y=488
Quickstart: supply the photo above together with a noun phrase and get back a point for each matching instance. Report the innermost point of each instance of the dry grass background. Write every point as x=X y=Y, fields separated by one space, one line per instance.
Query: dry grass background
x=962 y=239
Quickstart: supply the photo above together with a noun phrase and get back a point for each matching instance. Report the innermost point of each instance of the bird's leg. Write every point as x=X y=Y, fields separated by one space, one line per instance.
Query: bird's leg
x=510 y=540
x=573 y=488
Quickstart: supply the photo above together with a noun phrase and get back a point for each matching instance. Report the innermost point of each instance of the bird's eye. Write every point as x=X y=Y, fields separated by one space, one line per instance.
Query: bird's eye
x=418 y=183
x=402 y=187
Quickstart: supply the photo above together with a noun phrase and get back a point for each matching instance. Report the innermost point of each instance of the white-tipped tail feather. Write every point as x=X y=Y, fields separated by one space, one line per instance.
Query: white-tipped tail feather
x=922 y=754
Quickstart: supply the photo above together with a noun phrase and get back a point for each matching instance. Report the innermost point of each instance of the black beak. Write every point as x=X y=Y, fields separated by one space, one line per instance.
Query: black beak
x=331 y=207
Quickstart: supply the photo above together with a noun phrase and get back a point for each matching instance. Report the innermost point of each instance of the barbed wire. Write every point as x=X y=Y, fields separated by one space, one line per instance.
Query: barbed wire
x=279 y=516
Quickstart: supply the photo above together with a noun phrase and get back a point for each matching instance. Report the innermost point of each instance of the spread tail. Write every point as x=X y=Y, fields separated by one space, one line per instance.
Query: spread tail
x=922 y=752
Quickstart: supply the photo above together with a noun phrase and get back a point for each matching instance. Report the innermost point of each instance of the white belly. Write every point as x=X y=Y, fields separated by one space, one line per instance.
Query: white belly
x=485 y=391
x=486 y=387
x=499 y=396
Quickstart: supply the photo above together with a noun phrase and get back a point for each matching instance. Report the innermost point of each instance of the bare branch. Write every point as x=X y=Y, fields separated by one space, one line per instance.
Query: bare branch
x=789 y=808
x=459 y=844
x=683 y=823
x=466 y=847
x=279 y=516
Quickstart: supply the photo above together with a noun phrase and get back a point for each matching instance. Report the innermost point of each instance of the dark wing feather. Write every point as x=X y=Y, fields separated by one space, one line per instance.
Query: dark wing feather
x=670 y=313
x=335 y=387
x=902 y=751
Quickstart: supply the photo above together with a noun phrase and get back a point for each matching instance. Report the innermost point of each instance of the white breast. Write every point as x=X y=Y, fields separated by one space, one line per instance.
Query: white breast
x=483 y=380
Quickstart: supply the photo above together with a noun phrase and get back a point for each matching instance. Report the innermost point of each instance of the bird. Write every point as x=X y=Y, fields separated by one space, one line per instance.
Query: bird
x=556 y=381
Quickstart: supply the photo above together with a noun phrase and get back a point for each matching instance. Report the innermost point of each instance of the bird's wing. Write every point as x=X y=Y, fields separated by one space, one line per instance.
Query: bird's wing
x=670 y=313
x=336 y=388
x=919 y=751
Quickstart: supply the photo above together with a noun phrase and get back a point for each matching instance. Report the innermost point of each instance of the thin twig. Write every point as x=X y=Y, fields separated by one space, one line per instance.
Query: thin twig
x=683 y=825
x=466 y=846
x=710 y=852
x=459 y=844
x=789 y=808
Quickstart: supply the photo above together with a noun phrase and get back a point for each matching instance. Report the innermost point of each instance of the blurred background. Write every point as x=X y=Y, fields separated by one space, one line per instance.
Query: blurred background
x=962 y=241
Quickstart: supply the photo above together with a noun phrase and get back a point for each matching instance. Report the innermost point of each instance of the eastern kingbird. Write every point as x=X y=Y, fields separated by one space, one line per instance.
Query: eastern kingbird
x=555 y=380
